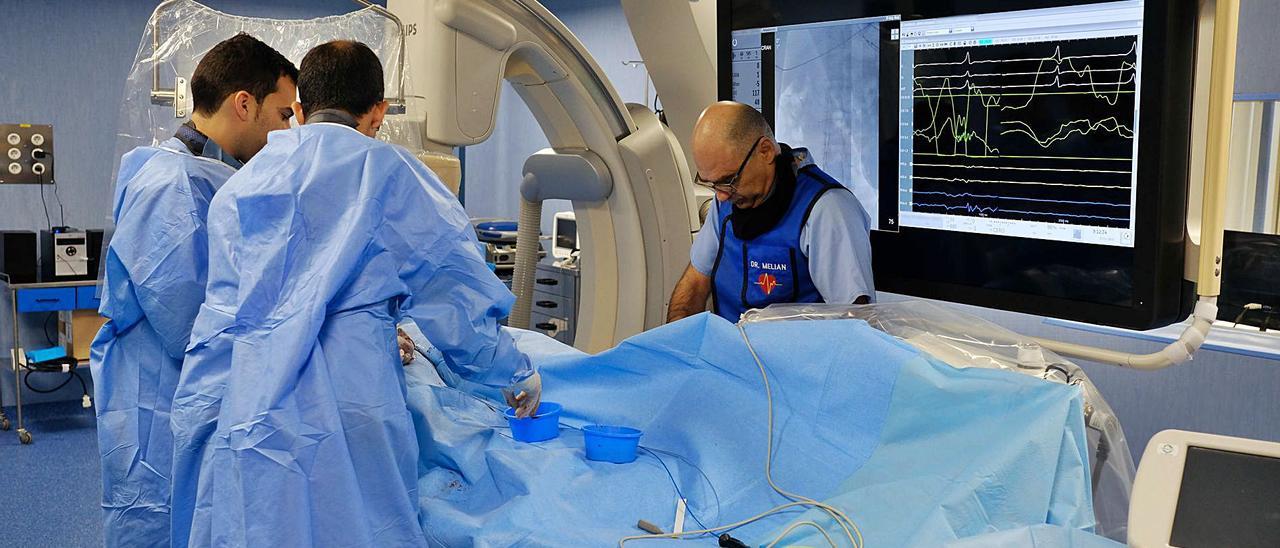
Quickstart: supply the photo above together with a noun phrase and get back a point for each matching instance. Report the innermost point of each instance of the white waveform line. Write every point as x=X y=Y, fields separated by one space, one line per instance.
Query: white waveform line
x=1057 y=82
x=956 y=166
x=1057 y=53
x=1057 y=56
x=1001 y=182
x=983 y=209
x=1086 y=72
x=1126 y=67
x=1016 y=198
x=1069 y=129
x=1071 y=69
x=968 y=207
x=993 y=101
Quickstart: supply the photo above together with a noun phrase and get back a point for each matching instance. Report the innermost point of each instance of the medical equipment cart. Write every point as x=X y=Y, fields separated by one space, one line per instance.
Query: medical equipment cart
x=39 y=297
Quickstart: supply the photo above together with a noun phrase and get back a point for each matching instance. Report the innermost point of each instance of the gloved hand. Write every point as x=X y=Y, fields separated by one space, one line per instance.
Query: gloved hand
x=406 y=347
x=524 y=394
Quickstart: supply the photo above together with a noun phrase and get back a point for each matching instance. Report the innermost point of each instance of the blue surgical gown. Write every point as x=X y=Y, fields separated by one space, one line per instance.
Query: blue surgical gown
x=155 y=281
x=290 y=422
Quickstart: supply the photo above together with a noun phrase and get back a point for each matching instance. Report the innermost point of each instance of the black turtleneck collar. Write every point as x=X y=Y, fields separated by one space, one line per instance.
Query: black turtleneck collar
x=752 y=222
x=333 y=116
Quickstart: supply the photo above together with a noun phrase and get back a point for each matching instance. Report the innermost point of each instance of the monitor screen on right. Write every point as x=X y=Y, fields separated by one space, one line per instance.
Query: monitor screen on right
x=1022 y=123
x=1029 y=155
x=1227 y=499
x=1250 y=269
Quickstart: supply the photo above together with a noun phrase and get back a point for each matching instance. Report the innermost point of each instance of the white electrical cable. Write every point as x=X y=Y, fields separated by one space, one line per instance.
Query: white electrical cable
x=836 y=514
x=798 y=525
x=850 y=528
x=623 y=541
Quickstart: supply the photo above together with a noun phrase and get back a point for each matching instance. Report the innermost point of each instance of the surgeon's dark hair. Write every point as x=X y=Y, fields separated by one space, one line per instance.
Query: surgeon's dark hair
x=342 y=74
x=239 y=63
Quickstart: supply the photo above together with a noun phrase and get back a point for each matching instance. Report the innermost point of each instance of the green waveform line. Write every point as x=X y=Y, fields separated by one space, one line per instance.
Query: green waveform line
x=958 y=127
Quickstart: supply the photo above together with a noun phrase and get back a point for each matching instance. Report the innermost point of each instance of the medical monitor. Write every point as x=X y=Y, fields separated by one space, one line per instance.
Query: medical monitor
x=1028 y=156
x=1250 y=270
x=1200 y=490
x=564 y=235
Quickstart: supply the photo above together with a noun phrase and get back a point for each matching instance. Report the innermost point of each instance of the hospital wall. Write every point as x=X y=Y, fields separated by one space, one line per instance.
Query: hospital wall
x=64 y=62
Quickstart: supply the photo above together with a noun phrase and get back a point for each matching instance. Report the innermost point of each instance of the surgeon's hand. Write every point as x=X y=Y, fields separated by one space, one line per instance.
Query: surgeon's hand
x=525 y=394
x=406 y=347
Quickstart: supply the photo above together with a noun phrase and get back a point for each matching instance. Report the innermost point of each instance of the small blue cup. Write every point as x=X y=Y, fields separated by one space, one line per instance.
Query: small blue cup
x=542 y=426
x=616 y=444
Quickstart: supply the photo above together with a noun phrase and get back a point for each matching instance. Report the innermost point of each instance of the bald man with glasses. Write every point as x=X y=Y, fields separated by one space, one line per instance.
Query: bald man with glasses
x=781 y=231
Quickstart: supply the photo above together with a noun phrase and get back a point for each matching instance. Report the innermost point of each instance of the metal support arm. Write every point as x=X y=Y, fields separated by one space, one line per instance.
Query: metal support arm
x=1221 y=87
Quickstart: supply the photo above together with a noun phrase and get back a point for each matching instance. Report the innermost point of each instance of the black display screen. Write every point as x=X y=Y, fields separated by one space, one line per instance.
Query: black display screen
x=1227 y=499
x=1027 y=156
x=1250 y=274
x=567 y=234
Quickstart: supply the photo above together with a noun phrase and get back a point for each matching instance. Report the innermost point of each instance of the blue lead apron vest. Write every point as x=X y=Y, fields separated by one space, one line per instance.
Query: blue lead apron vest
x=770 y=268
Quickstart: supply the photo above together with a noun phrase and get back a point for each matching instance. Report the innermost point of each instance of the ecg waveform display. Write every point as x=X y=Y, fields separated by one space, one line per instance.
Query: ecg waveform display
x=1041 y=131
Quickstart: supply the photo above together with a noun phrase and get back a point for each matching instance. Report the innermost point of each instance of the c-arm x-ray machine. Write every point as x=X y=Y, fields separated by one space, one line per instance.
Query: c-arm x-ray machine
x=624 y=171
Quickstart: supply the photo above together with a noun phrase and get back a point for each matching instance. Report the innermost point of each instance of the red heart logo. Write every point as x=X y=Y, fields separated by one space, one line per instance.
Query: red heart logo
x=767 y=282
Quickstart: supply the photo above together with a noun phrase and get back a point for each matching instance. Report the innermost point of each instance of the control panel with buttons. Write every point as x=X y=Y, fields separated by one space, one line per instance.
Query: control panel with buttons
x=27 y=154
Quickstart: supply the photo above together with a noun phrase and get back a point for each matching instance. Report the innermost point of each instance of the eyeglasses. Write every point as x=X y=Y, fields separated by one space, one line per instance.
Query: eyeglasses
x=727 y=184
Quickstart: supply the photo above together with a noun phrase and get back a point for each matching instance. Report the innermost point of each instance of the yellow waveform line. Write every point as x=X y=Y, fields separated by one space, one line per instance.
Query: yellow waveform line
x=988 y=102
x=1069 y=129
x=961 y=132
x=1022 y=157
x=1001 y=182
x=958 y=135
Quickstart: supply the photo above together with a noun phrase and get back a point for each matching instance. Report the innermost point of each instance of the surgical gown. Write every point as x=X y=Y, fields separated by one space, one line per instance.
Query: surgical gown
x=155 y=281
x=290 y=420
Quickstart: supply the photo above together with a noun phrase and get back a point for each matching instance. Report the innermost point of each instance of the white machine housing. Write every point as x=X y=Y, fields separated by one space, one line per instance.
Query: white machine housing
x=69 y=254
x=635 y=242
x=1159 y=481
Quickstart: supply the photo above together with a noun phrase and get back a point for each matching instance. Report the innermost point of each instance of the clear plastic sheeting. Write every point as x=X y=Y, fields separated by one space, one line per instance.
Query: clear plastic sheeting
x=180 y=32
x=1036 y=536
x=963 y=341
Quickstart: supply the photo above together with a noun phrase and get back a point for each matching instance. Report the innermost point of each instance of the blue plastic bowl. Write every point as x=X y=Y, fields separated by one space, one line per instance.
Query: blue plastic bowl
x=542 y=426
x=616 y=444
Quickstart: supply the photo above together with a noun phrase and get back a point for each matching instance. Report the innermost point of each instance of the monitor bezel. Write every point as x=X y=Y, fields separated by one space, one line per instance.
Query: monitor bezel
x=1160 y=294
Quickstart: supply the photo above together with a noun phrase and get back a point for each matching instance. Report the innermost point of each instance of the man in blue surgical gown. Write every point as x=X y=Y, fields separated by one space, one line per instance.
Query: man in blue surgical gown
x=290 y=421
x=155 y=274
